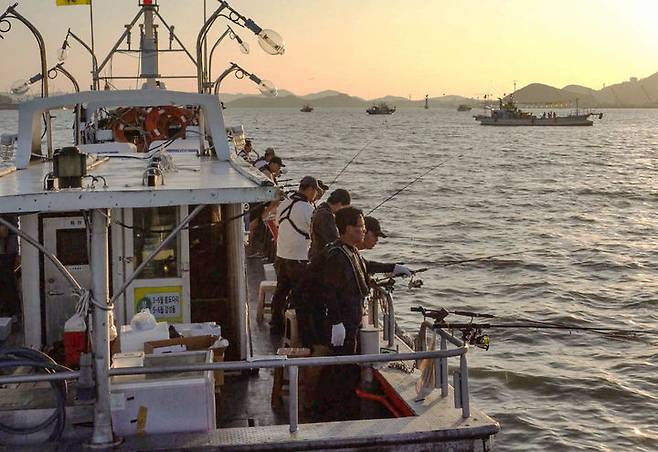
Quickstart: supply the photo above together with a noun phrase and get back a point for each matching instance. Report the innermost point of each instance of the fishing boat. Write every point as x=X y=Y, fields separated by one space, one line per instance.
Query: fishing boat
x=509 y=114
x=306 y=108
x=145 y=208
x=380 y=109
x=464 y=107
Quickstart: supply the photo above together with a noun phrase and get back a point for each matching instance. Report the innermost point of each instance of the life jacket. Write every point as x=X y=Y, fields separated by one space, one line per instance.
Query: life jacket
x=285 y=214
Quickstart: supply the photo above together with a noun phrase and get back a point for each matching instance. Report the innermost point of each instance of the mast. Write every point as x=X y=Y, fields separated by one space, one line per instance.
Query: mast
x=427 y=101
x=149 y=45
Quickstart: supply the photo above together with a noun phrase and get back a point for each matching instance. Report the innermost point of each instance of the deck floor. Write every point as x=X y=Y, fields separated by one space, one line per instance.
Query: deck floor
x=245 y=402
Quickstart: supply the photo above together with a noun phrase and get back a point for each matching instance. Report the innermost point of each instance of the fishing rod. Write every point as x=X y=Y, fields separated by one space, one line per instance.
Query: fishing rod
x=351 y=160
x=413 y=182
x=473 y=333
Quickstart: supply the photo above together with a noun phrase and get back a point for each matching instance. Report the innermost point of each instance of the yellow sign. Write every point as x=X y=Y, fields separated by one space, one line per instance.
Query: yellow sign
x=72 y=2
x=165 y=303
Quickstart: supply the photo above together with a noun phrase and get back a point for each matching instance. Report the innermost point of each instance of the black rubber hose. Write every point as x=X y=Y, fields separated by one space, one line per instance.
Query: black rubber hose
x=12 y=357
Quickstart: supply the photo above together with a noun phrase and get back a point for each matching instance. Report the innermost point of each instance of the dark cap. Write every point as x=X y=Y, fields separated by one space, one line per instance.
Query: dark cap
x=278 y=160
x=308 y=181
x=322 y=185
x=373 y=226
x=269 y=151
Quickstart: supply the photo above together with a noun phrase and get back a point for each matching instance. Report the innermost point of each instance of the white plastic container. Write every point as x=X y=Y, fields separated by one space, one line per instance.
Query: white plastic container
x=270 y=274
x=133 y=340
x=5 y=328
x=165 y=403
x=369 y=340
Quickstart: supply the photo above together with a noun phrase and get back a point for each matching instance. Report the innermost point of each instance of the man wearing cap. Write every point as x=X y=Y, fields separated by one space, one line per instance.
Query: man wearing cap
x=273 y=168
x=293 y=242
x=261 y=162
x=246 y=151
x=323 y=226
x=373 y=233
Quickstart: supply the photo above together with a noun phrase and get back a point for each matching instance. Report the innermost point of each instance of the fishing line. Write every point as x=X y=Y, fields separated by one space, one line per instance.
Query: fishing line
x=352 y=159
x=413 y=182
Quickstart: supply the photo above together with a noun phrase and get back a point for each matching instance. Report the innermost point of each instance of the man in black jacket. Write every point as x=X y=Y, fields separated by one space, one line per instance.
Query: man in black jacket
x=346 y=282
x=323 y=224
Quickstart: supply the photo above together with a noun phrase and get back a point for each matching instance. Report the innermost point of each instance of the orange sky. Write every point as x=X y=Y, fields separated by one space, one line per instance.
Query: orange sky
x=371 y=48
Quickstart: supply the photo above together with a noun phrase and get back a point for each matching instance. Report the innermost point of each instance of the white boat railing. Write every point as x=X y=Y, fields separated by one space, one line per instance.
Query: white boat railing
x=292 y=364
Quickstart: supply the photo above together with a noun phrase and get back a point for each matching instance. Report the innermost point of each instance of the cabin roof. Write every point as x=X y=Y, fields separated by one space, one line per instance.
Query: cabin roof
x=195 y=180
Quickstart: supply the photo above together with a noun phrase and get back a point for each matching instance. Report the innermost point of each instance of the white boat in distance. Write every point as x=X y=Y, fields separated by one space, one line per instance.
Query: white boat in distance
x=508 y=114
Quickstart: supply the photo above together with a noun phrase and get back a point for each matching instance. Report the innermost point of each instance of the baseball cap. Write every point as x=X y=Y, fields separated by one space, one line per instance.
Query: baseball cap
x=309 y=181
x=372 y=224
x=278 y=160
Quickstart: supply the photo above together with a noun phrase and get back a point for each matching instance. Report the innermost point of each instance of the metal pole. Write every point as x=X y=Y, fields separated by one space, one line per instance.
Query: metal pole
x=149 y=49
x=93 y=52
x=201 y=36
x=12 y=13
x=101 y=329
x=238 y=279
x=212 y=52
x=293 y=398
x=248 y=365
x=443 y=369
x=94 y=60
x=463 y=370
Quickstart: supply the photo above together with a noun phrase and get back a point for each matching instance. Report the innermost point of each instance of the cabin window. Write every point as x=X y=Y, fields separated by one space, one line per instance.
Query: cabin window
x=72 y=246
x=151 y=226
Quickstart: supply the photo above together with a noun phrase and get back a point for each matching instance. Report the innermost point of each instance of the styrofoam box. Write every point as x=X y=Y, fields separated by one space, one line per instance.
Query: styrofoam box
x=169 y=402
x=198 y=329
x=133 y=340
x=5 y=328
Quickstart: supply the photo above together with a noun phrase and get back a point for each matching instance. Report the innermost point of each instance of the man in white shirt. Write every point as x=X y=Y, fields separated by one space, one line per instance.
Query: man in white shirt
x=292 y=245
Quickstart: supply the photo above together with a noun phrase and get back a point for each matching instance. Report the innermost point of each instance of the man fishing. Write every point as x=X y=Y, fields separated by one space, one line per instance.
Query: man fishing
x=293 y=242
x=323 y=224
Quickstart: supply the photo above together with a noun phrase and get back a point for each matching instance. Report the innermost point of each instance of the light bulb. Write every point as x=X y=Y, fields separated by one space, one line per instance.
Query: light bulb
x=19 y=87
x=271 y=42
x=244 y=47
x=267 y=88
x=62 y=53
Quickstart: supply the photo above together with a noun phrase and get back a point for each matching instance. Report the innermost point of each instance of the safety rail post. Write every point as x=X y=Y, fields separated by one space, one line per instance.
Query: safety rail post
x=390 y=320
x=102 y=434
x=442 y=370
x=460 y=383
x=293 y=397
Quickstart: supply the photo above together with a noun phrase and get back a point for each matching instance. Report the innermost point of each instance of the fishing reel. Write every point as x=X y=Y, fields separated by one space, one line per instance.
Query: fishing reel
x=388 y=283
x=476 y=337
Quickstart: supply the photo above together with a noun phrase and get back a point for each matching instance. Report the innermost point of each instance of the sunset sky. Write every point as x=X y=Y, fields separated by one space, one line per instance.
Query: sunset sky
x=372 y=48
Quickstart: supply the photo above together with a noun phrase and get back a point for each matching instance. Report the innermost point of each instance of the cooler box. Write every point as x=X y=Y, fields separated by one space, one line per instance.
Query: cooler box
x=165 y=403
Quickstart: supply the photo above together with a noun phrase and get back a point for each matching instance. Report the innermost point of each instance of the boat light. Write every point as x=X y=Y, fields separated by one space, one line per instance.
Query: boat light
x=265 y=87
x=270 y=41
x=69 y=167
x=20 y=87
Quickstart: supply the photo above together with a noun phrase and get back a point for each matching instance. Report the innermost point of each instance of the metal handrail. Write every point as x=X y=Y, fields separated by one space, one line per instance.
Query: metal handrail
x=460 y=377
x=380 y=297
x=293 y=364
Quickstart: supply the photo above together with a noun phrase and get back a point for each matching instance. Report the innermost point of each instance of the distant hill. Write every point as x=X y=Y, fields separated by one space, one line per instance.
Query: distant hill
x=321 y=94
x=635 y=92
x=336 y=99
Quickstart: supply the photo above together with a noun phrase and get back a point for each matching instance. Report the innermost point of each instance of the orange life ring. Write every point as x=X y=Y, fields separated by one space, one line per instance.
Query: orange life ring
x=133 y=118
x=160 y=120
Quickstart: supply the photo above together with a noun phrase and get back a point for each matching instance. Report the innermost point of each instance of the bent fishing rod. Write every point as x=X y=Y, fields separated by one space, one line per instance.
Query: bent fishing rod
x=413 y=182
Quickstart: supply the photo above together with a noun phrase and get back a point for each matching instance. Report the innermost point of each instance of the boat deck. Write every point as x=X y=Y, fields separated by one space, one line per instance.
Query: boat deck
x=246 y=420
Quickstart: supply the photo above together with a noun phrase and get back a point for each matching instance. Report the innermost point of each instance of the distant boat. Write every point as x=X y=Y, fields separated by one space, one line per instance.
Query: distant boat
x=380 y=109
x=464 y=107
x=306 y=108
x=508 y=114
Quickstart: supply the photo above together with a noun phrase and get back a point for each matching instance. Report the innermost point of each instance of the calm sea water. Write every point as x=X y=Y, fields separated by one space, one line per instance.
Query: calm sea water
x=587 y=197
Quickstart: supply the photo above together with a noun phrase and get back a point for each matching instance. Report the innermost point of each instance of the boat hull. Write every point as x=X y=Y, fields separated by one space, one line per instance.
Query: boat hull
x=575 y=121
